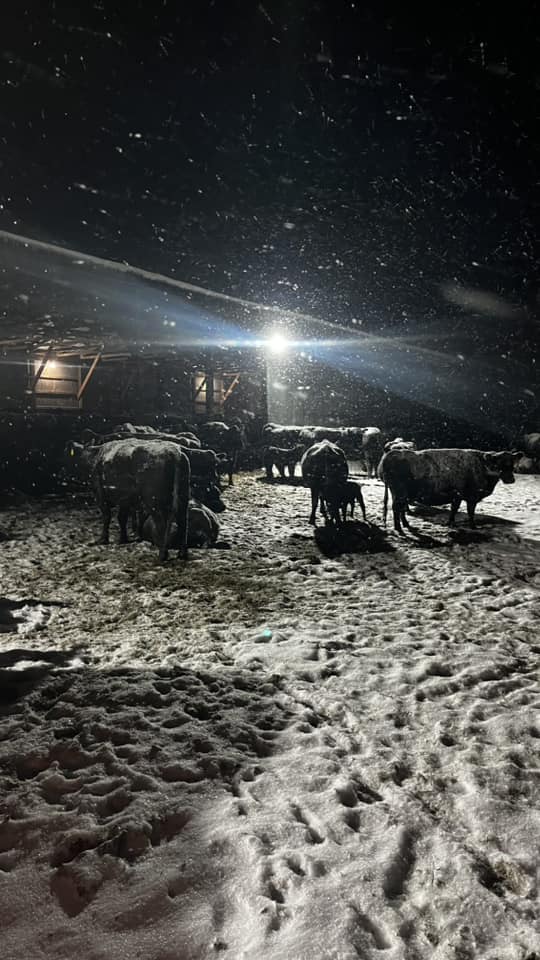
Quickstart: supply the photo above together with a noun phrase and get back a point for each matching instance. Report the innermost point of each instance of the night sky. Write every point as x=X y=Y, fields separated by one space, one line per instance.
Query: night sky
x=376 y=169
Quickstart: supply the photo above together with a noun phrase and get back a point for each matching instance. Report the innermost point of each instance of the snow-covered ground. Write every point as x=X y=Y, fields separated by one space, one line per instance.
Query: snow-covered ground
x=266 y=754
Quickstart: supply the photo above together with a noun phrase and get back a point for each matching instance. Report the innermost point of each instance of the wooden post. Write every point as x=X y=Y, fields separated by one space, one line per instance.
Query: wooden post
x=230 y=389
x=210 y=388
x=90 y=374
x=41 y=367
x=199 y=388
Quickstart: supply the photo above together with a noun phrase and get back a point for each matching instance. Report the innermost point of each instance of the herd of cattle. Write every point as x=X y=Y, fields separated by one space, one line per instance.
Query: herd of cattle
x=169 y=484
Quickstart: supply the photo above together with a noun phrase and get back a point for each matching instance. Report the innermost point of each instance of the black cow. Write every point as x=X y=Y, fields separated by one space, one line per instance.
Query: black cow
x=223 y=439
x=438 y=477
x=208 y=494
x=325 y=469
x=204 y=464
x=282 y=459
x=139 y=475
x=372 y=449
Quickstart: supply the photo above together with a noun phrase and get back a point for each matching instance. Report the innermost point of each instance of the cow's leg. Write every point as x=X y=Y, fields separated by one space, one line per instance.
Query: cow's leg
x=454 y=507
x=123 y=517
x=362 y=506
x=233 y=466
x=269 y=472
x=162 y=529
x=141 y=517
x=314 y=502
x=182 y=524
x=106 y=518
x=403 y=504
x=397 y=510
x=471 y=507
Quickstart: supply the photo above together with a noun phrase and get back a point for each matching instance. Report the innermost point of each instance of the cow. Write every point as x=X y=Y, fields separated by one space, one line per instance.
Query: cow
x=372 y=449
x=203 y=528
x=531 y=445
x=437 y=477
x=223 y=439
x=136 y=429
x=208 y=494
x=147 y=476
x=399 y=444
x=324 y=468
x=351 y=493
x=204 y=464
x=282 y=459
x=276 y=435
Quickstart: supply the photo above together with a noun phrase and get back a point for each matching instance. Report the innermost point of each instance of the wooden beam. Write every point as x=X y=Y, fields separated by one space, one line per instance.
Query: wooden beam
x=41 y=367
x=232 y=387
x=89 y=375
x=199 y=388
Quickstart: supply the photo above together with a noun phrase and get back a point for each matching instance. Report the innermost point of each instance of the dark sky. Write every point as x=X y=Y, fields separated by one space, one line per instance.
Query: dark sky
x=363 y=165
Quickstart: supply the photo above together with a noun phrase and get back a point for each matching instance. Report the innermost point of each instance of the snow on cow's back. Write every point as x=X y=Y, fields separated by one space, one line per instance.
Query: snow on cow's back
x=128 y=449
x=325 y=451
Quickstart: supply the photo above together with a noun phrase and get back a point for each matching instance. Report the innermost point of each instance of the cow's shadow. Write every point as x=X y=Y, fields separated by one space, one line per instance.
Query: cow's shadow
x=441 y=515
x=353 y=536
x=282 y=481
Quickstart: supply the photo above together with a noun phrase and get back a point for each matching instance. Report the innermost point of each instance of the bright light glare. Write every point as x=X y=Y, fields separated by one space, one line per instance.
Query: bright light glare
x=277 y=343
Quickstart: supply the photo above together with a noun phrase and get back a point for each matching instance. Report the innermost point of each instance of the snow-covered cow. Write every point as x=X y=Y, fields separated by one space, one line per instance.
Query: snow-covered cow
x=140 y=475
x=399 y=444
x=437 y=477
x=325 y=469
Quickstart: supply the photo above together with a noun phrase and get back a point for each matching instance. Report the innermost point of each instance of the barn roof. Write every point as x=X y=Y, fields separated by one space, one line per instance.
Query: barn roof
x=83 y=304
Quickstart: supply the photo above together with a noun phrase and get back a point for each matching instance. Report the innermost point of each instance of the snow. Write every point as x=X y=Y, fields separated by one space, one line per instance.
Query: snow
x=268 y=754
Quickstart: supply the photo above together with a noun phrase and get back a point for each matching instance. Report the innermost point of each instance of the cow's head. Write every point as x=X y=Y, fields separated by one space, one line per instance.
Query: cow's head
x=209 y=494
x=501 y=464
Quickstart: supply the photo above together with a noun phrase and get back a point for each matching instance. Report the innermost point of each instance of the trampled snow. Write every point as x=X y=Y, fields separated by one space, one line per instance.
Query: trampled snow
x=266 y=753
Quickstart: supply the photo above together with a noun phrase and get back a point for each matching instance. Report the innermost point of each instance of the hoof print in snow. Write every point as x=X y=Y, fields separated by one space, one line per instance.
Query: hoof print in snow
x=75 y=886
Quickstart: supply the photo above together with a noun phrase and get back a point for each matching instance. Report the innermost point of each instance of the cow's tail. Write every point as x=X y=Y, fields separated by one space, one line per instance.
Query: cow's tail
x=385 y=502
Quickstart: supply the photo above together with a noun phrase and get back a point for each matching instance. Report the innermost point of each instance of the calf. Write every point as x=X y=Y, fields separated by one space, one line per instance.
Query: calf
x=437 y=477
x=282 y=459
x=325 y=469
x=203 y=528
x=149 y=476
x=351 y=493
